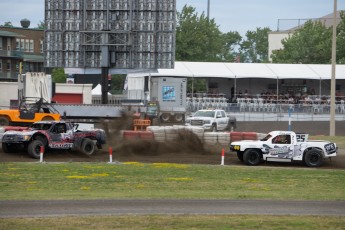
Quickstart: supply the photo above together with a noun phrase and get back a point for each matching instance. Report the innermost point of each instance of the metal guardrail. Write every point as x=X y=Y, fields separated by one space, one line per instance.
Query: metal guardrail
x=264 y=112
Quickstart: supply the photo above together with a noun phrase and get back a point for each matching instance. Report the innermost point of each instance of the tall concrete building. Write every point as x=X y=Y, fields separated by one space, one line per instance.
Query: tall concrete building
x=117 y=34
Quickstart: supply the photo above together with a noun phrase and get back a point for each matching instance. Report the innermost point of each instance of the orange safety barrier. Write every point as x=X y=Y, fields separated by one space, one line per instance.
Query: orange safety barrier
x=236 y=136
x=141 y=124
x=130 y=134
x=146 y=135
x=249 y=136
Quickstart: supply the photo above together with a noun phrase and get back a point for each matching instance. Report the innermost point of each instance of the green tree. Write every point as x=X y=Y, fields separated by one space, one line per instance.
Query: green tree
x=58 y=75
x=197 y=37
x=196 y=85
x=41 y=25
x=231 y=41
x=341 y=39
x=117 y=83
x=255 y=47
x=8 y=24
x=311 y=44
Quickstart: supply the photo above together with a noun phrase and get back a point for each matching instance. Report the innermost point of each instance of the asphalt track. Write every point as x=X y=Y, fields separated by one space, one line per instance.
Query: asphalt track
x=58 y=208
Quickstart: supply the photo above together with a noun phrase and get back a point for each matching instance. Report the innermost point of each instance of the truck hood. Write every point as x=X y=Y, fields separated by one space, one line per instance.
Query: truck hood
x=199 y=118
x=251 y=143
x=245 y=141
x=25 y=132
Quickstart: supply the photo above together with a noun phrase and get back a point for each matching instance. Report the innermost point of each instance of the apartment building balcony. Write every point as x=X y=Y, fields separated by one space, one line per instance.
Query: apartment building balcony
x=13 y=54
x=9 y=76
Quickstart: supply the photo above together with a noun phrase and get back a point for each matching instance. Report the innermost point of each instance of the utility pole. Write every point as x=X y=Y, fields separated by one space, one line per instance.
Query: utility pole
x=334 y=61
x=105 y=67
x=208 y=9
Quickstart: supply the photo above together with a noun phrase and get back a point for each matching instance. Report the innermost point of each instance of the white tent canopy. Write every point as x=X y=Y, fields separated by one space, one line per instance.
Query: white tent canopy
x=248 y=70
x=98 y=90
x=231 y=70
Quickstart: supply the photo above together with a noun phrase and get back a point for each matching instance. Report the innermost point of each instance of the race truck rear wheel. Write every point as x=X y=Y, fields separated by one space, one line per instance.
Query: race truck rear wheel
x=87 y=147
x=34 y=148
x=313 y=158
x=251 y=157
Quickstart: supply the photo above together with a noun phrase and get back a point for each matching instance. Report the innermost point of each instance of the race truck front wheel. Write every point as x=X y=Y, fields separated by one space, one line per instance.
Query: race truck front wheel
x=251 y=157
x=34 y=148
x=88 y=147
x=8 y=148
x=313 y=158
x=240 y=156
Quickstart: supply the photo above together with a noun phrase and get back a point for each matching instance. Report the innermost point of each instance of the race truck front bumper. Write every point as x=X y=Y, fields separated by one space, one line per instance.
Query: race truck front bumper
x=11 y=138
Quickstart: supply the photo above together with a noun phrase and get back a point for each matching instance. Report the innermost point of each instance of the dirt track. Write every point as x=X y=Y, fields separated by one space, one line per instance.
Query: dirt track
x=187 y=150
x=148 y=152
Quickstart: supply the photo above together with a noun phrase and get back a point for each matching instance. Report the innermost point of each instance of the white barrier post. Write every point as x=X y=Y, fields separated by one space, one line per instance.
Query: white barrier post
x=222 y=162
x=110 y=155
x=41 y=153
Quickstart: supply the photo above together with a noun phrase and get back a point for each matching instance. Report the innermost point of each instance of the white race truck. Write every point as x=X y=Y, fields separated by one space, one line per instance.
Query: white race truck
x=284 y=146
x=212 y=120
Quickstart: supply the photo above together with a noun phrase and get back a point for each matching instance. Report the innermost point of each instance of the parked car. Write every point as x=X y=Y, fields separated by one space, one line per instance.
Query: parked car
x=212 y=120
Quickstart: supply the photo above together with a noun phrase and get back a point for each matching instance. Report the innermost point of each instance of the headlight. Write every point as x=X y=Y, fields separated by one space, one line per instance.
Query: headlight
x=23 y=138
x=26 y=138
x=187 y=121
x=207 y=122
x=235 y=147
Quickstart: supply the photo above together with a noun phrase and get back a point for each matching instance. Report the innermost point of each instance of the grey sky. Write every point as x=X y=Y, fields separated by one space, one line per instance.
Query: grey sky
x=230 y=15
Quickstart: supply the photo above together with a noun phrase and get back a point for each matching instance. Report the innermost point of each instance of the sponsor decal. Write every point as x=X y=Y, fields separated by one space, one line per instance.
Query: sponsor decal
x=330 y=148
x=61 y=145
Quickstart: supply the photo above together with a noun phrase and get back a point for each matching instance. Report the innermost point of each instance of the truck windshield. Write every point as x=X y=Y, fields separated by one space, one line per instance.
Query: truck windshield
x=204 y=114
x=266 y=138
x=40 y=126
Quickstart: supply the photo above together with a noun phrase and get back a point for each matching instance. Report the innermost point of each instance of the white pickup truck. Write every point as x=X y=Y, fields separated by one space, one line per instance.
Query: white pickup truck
x=284 y=146
x=212 y=120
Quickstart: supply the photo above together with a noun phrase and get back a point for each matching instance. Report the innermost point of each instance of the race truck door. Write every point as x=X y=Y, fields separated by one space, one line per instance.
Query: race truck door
x=60 y=137
x=279 y=148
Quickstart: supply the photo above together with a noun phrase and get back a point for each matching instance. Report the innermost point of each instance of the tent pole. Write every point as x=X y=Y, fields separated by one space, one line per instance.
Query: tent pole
x=320 y=89
x=277 y=90
x=192 y=86
x=235 y=89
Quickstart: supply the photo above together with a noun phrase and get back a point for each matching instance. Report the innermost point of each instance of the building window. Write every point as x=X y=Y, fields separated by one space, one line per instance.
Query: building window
x=0 y=43
x=31 y=46
x=0 y=66
x=17 y=44
x=27 y=45
x=8 y=66
x=41 y=46
x=9 y=43
x=22 y=42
